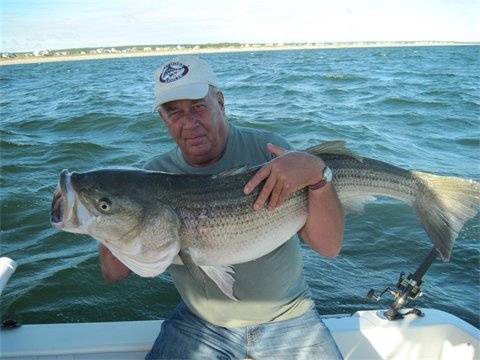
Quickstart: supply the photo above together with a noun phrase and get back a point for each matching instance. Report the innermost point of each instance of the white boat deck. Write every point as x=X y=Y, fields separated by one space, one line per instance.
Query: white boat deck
x=364 y=335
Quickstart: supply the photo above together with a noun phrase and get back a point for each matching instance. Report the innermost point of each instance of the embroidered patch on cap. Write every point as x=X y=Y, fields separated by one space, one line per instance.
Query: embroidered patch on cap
x=173 y=71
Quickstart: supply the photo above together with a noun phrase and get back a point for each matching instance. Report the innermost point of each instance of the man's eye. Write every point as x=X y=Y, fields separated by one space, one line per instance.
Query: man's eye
x=174 y=116
x=199 y=107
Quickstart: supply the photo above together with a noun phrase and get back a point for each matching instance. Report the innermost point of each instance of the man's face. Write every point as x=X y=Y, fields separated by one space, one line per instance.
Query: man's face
x=199 y=127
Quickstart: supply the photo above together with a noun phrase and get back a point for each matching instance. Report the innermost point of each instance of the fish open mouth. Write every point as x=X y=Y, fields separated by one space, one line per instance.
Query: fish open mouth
x=59 y=202
x=57 y=208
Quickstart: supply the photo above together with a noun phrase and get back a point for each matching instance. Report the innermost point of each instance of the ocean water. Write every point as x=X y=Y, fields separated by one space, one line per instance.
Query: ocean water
x=415 y=107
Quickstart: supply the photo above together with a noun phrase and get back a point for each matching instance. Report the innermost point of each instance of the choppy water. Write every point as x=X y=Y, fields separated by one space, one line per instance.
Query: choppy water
x=416 y=107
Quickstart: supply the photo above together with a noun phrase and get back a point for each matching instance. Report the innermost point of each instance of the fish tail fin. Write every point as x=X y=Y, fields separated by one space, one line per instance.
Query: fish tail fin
x=443 y=210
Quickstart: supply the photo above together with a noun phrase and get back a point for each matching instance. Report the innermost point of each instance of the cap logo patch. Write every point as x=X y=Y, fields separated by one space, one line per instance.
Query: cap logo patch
x=173 y=72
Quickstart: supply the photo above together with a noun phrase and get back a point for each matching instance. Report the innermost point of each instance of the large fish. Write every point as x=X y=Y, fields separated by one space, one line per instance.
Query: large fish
x=150 y=220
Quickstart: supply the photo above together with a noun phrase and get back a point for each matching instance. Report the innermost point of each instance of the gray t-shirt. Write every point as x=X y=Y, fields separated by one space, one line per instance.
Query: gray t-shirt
x=271 y=288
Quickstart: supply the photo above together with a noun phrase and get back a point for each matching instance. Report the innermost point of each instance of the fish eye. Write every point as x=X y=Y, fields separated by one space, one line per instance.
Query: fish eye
x=104 y=204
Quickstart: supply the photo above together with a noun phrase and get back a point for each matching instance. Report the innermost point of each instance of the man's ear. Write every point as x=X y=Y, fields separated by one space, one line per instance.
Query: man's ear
x=221 y=100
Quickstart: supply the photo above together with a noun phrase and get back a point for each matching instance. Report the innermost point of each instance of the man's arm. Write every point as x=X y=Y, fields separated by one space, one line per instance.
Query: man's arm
x=289 y=172
x=112 y=268
x=323 y=231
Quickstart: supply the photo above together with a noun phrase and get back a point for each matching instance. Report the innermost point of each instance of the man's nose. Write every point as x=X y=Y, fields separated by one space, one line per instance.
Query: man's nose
x=190 y=120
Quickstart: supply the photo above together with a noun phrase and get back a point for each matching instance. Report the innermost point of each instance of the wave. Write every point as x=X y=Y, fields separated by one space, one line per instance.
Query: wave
x=414 y=108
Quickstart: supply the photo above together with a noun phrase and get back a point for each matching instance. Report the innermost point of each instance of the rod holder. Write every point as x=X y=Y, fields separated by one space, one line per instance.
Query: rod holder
x=408 y=288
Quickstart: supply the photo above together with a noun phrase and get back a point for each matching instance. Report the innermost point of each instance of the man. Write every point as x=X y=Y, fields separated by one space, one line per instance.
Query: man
x=274 y=316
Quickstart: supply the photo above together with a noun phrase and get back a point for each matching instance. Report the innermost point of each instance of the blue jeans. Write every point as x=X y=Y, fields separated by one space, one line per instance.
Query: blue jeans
x=186 y=336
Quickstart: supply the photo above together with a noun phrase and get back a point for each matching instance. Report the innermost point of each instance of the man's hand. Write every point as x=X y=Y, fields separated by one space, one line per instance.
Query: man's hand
x=287 y=173
x=291 y=171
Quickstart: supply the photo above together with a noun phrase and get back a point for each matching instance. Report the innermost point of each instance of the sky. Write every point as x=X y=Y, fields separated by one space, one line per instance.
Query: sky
x=29 y=25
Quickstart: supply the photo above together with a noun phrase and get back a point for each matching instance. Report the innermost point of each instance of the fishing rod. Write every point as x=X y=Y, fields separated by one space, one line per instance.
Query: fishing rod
x=408 y=289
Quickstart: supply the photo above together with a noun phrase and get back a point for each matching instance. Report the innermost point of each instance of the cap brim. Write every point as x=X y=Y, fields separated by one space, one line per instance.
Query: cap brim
x=185 y=92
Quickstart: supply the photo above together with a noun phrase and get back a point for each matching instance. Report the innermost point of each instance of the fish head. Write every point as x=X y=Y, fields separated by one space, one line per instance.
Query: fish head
x=67 y=212
x=118 y=208
x=95 y=203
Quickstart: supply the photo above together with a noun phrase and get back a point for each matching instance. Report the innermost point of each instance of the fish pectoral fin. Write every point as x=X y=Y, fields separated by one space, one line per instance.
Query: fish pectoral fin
x=192 y=268
x=222 y=277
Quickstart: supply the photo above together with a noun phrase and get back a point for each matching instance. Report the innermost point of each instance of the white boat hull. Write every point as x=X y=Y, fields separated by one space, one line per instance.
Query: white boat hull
x=363 y=335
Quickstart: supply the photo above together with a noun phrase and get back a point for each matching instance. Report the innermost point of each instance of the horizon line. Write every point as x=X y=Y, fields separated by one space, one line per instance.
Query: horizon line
x=226 y=43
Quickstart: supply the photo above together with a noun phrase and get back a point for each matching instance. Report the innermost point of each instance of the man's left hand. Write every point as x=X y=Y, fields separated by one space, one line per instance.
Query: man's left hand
x=288 y=172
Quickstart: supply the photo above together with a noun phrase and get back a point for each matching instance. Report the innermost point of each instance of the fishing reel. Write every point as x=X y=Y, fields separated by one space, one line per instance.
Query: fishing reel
x=408 y=289
x=401 y=296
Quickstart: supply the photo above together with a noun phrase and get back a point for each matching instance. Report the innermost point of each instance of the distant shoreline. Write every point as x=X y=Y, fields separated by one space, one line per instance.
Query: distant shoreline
x=253 y=48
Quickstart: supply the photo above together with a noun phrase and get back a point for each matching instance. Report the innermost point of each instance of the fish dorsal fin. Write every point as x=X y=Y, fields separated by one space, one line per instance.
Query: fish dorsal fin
x=333 y=147
x=354 y=203
x=233 y=172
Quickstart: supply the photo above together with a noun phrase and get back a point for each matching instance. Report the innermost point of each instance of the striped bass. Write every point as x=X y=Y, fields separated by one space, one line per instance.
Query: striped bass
x=150 y=220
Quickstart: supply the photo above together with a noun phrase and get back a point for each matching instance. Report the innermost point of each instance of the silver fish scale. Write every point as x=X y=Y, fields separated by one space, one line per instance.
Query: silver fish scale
x=353 y=178
x=224 y=226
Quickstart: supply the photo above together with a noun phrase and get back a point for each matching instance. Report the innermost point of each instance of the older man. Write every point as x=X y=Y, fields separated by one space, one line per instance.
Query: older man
x=274 y=316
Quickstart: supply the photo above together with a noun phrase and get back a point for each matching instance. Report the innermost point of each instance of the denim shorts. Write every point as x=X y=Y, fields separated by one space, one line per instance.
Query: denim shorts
x=186 y=336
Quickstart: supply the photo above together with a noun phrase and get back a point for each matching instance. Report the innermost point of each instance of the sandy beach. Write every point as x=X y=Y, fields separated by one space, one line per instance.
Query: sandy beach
x=57 y=58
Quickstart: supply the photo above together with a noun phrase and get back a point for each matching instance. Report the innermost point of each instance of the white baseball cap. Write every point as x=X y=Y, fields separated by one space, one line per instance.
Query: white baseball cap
x=183 y=77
